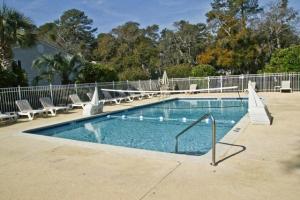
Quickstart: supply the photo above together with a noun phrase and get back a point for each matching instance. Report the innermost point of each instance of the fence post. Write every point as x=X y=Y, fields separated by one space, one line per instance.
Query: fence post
x=189 y=81
x=264 y=82
x=75 y=85
x=51 y=93
x=221 y=80
x=150 y=85
x=113 y=84
x=173 y=87
x=242 y=77
x=127 y=84
x=19 y=91
x=208 y=84
x=140 y=88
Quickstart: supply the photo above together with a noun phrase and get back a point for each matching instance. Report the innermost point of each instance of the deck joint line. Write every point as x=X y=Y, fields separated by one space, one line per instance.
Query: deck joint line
x=160 y=181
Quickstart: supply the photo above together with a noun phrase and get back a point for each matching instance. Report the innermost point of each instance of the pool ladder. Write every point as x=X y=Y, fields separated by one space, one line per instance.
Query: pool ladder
x=213 y=126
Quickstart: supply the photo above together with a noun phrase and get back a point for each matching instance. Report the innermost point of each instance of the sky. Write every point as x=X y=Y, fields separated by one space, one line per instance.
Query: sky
x=108 y=14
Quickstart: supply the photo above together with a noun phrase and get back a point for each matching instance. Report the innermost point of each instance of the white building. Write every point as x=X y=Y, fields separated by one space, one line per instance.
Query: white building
x=26 y=56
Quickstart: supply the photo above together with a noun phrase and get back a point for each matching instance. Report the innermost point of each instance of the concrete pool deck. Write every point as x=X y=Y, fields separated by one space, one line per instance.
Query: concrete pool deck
x=266 y=167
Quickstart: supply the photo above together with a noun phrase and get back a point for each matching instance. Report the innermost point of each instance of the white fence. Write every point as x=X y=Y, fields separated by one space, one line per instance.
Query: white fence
x=60 y=93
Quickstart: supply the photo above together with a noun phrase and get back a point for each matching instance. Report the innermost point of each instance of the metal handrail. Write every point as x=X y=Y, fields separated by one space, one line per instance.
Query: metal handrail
x=213 y=125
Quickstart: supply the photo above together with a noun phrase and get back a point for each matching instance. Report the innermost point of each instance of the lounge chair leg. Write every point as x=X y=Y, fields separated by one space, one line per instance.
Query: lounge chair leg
x=30 y=117
x=53 y=112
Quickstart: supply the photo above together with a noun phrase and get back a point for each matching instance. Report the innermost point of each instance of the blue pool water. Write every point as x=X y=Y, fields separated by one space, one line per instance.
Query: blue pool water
x=155 y=126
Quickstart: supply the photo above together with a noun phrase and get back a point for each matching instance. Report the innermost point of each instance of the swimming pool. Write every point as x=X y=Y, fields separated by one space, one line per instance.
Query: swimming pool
x=154 y=126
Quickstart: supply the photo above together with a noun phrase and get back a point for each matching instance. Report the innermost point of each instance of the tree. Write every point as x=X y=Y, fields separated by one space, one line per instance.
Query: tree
x=234 y=47
x=48 y=32
x=67 y=67
x=183 y=44
x=15 y=29
x=73 y=32
x=278 y=26
x=130 y=49
x=284 y=60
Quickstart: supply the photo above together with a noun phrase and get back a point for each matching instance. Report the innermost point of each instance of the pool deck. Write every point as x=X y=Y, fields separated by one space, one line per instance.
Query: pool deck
x=263 y=162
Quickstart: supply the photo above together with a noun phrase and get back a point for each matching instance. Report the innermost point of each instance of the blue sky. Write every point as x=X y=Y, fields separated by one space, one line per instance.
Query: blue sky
x=108 y=14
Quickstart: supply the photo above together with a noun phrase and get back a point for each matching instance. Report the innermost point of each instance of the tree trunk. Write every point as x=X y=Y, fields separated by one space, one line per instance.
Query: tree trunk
x=278 y=42
x=5 y=60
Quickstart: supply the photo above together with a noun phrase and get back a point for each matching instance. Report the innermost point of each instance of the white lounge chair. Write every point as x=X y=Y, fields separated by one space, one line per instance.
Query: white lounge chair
x=109 y=98
x=49 y=106
x=76 y=101
x=285 y=86
x=127 y=98
x=146 y=94
x=193 y=87
x=26 y=109
x=10 y=116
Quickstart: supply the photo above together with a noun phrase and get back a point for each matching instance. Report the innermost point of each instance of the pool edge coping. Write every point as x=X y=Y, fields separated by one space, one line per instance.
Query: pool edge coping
x=222 y=150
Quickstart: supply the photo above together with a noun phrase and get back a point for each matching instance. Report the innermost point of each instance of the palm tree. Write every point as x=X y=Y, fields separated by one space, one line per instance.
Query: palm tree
x=15 y=29
x=65 y=66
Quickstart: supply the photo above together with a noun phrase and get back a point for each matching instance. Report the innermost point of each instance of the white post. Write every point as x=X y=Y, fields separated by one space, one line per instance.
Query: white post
x=127 y=84
x=140 y=88
x=173 y=88
x=150 y=84
x=19 y=91
x=51 y=93
x=242 y=82
x=208 y=84
x=264 y=82
x=221 y=80
x=113 y=84
x=76 y=88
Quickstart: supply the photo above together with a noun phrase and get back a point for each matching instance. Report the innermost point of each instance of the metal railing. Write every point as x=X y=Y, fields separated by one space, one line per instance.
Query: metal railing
x=60 y=93
x=213 y=126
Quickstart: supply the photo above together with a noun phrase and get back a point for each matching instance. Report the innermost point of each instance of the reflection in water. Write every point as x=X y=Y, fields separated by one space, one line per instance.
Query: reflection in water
x=96 y=131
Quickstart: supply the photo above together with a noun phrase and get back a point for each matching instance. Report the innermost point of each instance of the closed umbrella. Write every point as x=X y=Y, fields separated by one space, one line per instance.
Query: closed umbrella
x=95 y=99
x=165 y=80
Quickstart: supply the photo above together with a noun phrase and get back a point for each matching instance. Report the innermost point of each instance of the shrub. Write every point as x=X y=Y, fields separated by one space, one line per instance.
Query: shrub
x=284 y=60
x=12 y=78
x=133 y=74
x=179 y=71
x=92 y=72
x=203 y=70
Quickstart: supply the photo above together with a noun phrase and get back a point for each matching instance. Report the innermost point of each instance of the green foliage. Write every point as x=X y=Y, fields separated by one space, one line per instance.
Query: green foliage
x=73 y=32
x=284 y=60
x=132 y=74
x=67 y=67
x=203 y=70
x=179 y=71
x=97 y=73
x=15 y=29
x=129 y=47
x=12 y=78
x=182 y=45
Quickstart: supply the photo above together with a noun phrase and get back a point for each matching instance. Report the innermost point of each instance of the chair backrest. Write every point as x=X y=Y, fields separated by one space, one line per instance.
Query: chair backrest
x=46 y=102
x=24 y=105
x=75 y=98
x=193 y=87
x=286 y=84
x=106 y=94
x=90 y=95
x=122 y=94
